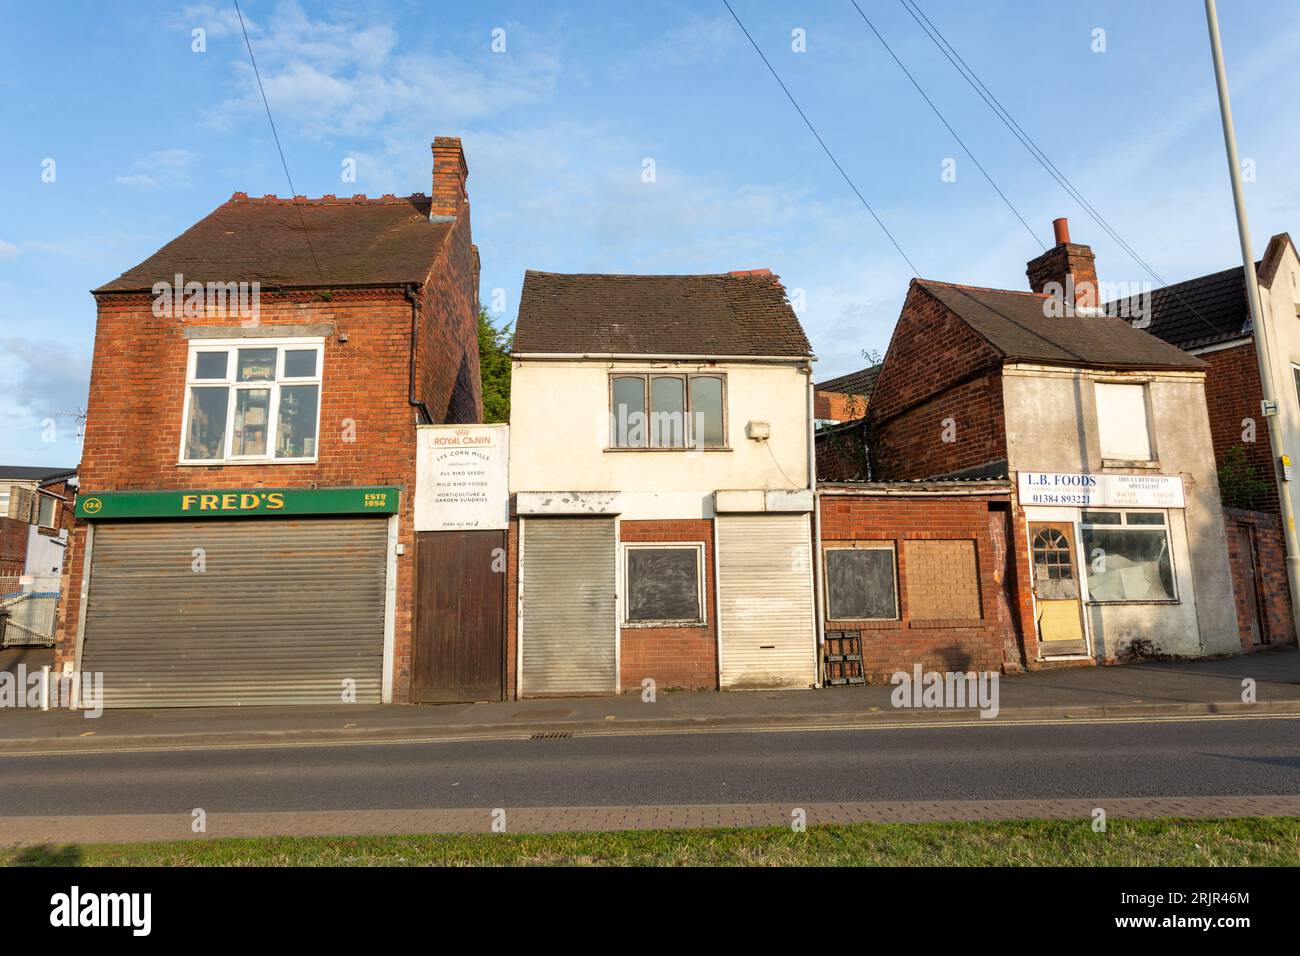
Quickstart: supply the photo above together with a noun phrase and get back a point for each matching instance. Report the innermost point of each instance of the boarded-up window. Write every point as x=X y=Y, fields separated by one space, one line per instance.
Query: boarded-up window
x=860 y=584
x=663 y=584
x=942 y=580
x=1122 y=421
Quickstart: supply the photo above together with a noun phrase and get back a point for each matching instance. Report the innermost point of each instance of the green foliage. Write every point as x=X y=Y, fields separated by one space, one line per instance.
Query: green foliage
x=1239 y=486
x=494 y=344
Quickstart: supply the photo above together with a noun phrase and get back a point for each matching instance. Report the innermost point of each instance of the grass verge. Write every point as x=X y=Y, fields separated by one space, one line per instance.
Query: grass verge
x=1241 y=841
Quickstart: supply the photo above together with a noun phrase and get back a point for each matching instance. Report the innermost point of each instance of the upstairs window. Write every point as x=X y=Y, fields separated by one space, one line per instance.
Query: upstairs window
x=1122 y=421
x=667 y=411
x=252 y=400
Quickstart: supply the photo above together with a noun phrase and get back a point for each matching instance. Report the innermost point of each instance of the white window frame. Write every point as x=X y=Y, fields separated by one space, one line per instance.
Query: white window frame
x=701 y=620
x=1085 y=559
x=54 y=511
x=871 y=544
x=231 y=347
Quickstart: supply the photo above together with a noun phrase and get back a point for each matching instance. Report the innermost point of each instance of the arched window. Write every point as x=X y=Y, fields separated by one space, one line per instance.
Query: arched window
x=1052 y=556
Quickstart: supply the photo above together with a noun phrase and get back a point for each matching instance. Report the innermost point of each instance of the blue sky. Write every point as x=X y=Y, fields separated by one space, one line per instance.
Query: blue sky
x=148 y=136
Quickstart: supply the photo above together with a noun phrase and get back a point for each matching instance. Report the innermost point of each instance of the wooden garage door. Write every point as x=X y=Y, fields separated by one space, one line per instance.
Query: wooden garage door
x=255 y=611
x=765 y=593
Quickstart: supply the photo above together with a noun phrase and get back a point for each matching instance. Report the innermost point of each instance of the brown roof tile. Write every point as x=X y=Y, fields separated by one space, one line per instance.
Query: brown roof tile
x=356 y=241
x=1016 y=324
x=738 y=313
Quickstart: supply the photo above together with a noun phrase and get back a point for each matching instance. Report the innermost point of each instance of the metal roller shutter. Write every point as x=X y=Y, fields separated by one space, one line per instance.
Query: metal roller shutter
x=765 y=596
x=283 y=611
x=568 y=633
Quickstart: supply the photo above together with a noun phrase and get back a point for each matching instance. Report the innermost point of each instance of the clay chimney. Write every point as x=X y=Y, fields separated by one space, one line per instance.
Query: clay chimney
x=1067 y=270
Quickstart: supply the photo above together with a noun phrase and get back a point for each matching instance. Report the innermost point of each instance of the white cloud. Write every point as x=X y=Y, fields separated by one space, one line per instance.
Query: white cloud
x=7 y=250
x=162 y=167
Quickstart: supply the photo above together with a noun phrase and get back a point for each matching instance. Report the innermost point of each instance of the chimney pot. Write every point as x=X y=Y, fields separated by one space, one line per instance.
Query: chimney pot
x=1061 y=228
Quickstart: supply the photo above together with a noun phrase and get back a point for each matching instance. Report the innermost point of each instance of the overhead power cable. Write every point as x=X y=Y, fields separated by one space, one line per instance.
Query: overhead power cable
x=1003 y=114
x=960 y=142
x=821 y=142
x=292 y=192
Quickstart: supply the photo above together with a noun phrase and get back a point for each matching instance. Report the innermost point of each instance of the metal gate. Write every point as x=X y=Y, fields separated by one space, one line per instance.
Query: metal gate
x=28 y=610
x=252 y=611
x=765 y=595
x=568 y=629
x=459 y=616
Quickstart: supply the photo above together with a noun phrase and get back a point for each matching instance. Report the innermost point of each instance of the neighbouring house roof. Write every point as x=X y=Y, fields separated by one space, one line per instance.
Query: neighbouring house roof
x=860 y=382
x=33 y=473
x=1206 y=310
x=357 y=241
x=1200 y=311
x=1018 y=326
x=739 y=313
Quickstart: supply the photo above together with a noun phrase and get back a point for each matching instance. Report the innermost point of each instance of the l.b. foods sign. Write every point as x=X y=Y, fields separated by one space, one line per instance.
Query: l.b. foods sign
x=236 y=502
x=1101 y=491
x=462 y=478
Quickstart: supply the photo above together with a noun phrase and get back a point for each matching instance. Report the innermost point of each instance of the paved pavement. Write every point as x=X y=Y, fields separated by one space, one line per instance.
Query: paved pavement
x=120 y=828
x=1157 y=690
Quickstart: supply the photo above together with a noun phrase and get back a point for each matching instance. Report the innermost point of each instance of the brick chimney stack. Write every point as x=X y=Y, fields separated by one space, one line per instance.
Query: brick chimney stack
x=449 y=175
x=1067 y=270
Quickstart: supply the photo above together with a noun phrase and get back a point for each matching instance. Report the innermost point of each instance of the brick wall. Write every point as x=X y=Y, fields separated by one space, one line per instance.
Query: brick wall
x=837 y=406
x=674 y=657
x=512 y=610
x=1272 y=587
x=841 y=453
x=13 y=545
x=1233 y=393
x=942 y=580
x=941 y=526
x=447 y=373
x=939 y=381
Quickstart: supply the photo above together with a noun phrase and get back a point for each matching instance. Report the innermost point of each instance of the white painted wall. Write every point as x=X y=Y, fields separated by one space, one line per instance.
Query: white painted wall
x=1051 y=416
x=1281 y=305
x=559 y=417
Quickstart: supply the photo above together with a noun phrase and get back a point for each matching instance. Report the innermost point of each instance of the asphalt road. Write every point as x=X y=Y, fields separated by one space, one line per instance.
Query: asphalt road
x=1192 y=758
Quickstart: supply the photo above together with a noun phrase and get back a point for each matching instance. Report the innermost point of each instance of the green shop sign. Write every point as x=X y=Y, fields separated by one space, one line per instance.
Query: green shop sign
x=237 y=502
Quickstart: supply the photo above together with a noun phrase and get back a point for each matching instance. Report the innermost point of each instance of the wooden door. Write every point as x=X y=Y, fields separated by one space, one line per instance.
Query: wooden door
x=459 y=649
x=1057 y=594
x=1250 y=572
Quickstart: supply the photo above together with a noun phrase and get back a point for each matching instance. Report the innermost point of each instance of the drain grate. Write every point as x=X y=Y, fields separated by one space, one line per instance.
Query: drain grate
x=551 y=735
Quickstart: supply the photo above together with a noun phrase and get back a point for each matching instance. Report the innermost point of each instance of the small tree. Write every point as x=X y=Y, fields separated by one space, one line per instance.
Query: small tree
x=1239 y=486
x=494 y=344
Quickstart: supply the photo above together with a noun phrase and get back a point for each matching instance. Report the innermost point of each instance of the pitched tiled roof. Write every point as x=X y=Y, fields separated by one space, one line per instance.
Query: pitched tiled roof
x=1018 y=326
x=1200 y=311
x=860 y=382
x=738 y=313
x=358 y=241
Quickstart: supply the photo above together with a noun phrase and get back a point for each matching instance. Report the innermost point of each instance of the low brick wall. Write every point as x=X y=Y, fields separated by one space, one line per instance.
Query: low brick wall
x=1271 y=588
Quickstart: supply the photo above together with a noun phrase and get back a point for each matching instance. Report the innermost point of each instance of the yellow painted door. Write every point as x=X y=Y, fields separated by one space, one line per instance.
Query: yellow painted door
x=1056 y=589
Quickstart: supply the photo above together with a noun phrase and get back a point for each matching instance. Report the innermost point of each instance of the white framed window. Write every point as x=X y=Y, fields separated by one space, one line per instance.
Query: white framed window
x=670 y=410
x=663 y=584
x=1122 y=421
x=861 y=581
x=4 y=501
x=1295 y=377
x=1128 y=557
x=252 y=400
x=46 y=511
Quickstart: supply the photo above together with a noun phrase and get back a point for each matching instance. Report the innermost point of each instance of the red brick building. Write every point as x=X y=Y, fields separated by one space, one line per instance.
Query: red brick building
x=1112 y=534
x=245 y=530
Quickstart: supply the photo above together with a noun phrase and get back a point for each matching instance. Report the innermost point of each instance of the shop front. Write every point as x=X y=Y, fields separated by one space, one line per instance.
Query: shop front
x=1110 y=564
x=214 y=597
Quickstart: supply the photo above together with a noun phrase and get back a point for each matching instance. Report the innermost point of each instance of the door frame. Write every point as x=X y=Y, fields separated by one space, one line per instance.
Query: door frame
x=1070 y=516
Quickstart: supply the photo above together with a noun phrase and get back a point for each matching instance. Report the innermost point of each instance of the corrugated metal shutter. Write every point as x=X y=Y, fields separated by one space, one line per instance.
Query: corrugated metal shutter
x=765 y=592
x=283 y=612
x=569 y=606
